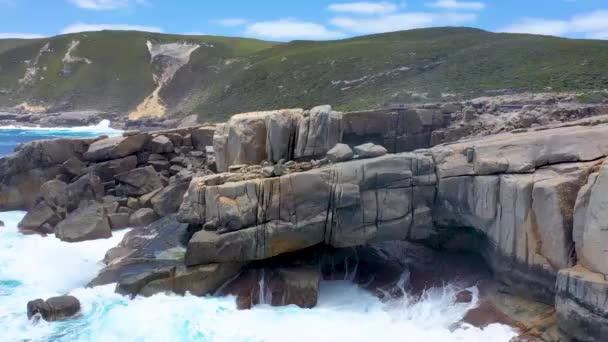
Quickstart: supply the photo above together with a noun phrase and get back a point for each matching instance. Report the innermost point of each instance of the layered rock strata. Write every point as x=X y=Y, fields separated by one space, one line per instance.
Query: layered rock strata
x=530 y=201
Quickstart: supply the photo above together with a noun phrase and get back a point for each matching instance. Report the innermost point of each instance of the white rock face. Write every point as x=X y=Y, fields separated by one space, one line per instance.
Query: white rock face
x=32 y=66
x=171 y=57
x=69 y=58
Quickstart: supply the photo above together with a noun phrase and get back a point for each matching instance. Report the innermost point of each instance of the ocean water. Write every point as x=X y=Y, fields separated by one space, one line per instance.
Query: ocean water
x=11 y=136
x=39 y=267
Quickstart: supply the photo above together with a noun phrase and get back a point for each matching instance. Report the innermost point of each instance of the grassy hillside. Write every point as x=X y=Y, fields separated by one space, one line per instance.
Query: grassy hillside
x=236 y=75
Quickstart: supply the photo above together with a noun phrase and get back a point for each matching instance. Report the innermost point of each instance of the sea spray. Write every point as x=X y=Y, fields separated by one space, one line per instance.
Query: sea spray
x=36 y=266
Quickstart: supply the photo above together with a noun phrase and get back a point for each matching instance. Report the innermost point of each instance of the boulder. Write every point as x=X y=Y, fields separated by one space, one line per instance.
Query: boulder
x=281 y=129
x=169 y=199
x=53 y=309
x=203 y=137
x=88 y=222
x=242 y=140
x=139 y=181
x=294 y=286
x=197 y=280
x=132 y=284
x=74 y=167
x=33 y=164
x=119 y=220
x=318 y=132
x=257 y=243
x=142 y=217
x=55 y=194
x=107 y=170
x=339 y=153
x=116 y=147
x=39 y=219
x=87 y=187
x=160 y=144
x=369 y=150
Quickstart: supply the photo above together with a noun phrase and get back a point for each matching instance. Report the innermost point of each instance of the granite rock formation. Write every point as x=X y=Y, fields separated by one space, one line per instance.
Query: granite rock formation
x=530 y=201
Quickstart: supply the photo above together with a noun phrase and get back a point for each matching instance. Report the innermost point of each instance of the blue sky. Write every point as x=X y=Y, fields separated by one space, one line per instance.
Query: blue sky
x=303 y=19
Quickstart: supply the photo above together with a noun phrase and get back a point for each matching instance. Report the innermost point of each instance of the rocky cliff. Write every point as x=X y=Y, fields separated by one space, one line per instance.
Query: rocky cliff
x=256 y=198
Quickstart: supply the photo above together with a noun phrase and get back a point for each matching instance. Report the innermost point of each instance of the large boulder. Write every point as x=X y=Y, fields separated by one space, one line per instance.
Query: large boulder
x=242 y=140
x=318 y=132
x=139 y=181
x=55 y=194
x=32 y=165
x=281 y=128
x=169 y=199
x=339 y=153
x=294 y=285
x=142 y=217
x=74 y=167
x=149 y=260
x=87 y=187
x=197 y=280
x=116 y=147
x=160 y=144
x=203 y=137
x=369 y=150
x=250 y=138
x=53 y=309
x=107 y=170
x=257 y=243
x=88 y=222
x=40 y=219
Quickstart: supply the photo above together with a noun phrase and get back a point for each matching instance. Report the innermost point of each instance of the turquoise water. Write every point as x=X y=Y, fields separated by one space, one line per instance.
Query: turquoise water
x=40 y=267
x=12 y=136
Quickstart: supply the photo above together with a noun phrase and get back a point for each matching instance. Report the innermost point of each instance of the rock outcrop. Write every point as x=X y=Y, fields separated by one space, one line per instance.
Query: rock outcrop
x=53 y=309
x=530 y=201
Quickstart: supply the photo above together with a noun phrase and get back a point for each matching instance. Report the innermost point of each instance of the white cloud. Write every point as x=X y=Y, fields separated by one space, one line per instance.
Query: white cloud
x=82 y=27
x=231 y=22
x=4 y=35
x=458 y=5
x=401 y=21
x=538 y=26
x=288 y=29
x=592 y=25
x=102 y=5
x=598 y=35
x=364 y=7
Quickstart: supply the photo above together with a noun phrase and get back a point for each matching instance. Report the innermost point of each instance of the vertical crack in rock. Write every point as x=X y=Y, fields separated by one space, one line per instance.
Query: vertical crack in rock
x=166 y=59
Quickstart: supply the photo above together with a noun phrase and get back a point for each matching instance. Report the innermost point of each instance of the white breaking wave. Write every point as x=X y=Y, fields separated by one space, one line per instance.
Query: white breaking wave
x=103 y=127
x=33 y=267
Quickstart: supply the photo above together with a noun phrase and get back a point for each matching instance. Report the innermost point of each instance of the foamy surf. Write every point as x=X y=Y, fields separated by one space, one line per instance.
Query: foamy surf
x=103 y=127
x=33 y=267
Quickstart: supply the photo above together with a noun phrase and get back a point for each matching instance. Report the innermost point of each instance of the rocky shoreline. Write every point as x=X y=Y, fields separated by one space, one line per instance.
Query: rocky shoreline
x=286 y=198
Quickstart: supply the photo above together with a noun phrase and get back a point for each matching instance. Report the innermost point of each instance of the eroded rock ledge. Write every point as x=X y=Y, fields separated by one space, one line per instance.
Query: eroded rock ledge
x=530 y=201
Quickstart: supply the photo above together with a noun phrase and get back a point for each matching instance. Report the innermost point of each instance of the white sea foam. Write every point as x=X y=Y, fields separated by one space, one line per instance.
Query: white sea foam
x=103 y=127
x=45 y=266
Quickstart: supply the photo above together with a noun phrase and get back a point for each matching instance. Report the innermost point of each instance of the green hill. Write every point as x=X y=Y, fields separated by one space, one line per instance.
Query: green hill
x=228 y=75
